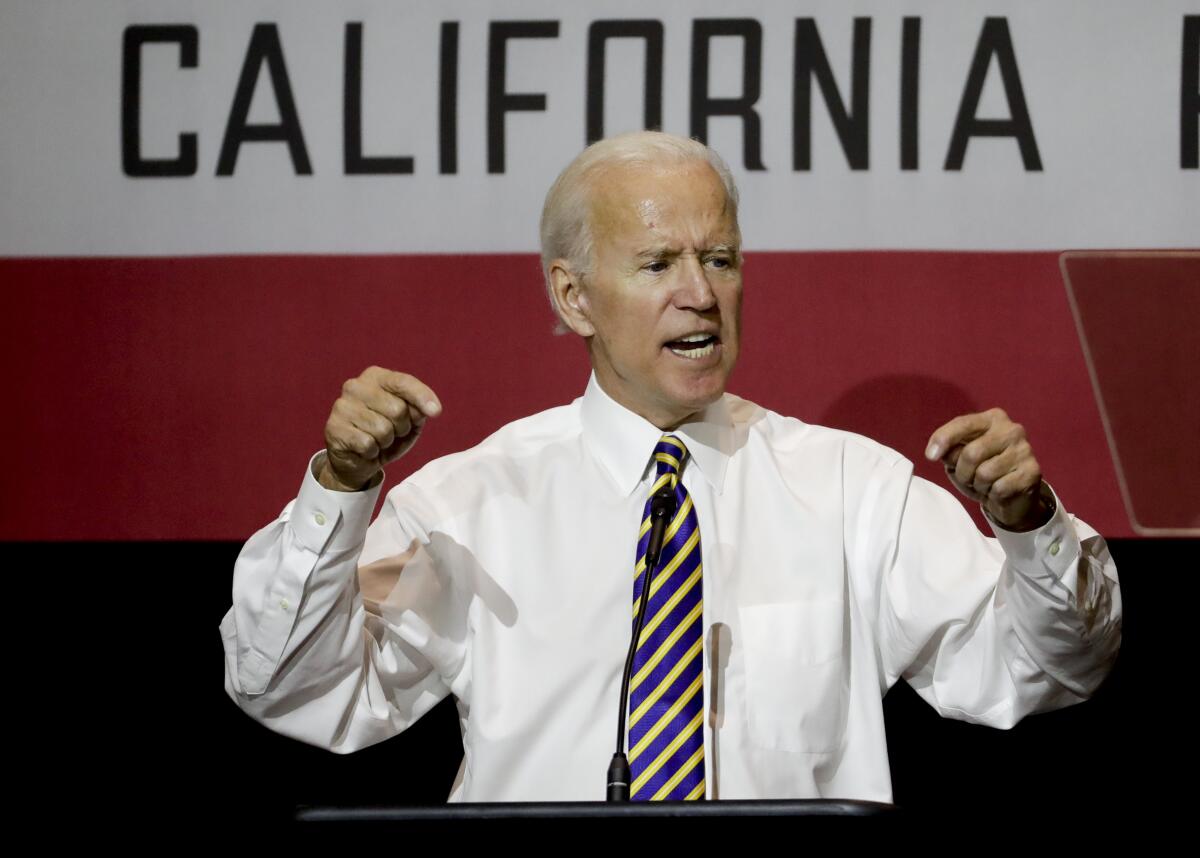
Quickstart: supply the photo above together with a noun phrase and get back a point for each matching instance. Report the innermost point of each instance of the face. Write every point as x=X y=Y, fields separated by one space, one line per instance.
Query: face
x=661 y=308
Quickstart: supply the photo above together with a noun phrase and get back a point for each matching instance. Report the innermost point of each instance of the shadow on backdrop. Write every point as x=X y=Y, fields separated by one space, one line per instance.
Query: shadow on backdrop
x=902 y=411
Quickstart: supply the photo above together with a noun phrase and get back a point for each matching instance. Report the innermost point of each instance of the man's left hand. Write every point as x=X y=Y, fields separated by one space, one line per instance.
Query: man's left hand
x=988 y=458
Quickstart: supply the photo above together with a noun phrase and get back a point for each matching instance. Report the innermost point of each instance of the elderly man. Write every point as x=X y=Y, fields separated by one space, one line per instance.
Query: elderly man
x=803 y=570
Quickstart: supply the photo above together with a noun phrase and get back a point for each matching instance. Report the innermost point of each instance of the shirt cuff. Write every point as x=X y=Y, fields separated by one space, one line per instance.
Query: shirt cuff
x=327 y=520
x=1051 y=550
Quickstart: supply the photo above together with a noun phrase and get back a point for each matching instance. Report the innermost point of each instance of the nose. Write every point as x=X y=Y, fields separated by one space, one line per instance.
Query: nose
x=694 y=292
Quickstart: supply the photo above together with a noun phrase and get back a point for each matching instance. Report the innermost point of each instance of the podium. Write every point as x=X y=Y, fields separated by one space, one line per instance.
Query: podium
x=697 y=817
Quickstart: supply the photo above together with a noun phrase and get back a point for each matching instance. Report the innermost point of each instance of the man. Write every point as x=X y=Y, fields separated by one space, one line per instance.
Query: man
x=803 y=572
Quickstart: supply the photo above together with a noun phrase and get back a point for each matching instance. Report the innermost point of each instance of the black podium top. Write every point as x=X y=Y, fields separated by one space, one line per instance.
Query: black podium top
x=812 y=809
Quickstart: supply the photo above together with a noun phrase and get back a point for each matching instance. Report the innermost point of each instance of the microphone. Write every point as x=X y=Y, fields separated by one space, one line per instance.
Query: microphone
x=662 y=510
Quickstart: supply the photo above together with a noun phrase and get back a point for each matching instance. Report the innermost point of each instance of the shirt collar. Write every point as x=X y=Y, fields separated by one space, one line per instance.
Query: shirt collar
x=624 y=442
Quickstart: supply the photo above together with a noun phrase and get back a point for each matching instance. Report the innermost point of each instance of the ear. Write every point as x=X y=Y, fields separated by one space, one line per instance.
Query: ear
x=570 y=298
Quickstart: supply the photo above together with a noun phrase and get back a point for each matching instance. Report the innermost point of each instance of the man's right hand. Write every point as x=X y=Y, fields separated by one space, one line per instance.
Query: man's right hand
x=375 y=421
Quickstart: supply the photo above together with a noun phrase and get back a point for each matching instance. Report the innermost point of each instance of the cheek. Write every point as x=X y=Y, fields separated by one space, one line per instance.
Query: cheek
x=620 y=326
x=731 y=306
x=632 y=325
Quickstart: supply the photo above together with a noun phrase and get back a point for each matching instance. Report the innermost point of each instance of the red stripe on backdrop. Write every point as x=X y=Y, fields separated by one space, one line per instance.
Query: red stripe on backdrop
x=180 y=398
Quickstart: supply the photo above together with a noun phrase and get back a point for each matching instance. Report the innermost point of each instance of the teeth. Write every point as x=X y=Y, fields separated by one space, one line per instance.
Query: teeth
x=696 y=353
x=694 y=338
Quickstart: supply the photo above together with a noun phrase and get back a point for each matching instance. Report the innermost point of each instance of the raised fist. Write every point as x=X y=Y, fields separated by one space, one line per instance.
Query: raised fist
x=988 y=458
x=375 y=421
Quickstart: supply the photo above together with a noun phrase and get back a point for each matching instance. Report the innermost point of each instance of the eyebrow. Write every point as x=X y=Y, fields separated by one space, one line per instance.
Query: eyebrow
x=663 y=250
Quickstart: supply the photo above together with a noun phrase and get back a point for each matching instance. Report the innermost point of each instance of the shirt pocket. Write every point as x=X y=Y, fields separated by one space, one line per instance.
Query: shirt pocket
x=796 y=678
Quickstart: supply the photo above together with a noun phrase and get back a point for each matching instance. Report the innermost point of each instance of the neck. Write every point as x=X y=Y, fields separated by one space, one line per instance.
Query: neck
x=662 y=418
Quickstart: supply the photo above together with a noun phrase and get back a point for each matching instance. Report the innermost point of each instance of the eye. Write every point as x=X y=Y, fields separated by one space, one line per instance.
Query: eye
x=656 y=267
x=720 y=262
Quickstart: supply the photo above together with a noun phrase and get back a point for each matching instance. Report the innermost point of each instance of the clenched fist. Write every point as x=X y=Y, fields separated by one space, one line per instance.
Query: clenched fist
x=988 y=458
x=374 y=422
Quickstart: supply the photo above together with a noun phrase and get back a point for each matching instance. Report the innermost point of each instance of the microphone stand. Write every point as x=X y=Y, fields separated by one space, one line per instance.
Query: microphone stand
x=662 y=510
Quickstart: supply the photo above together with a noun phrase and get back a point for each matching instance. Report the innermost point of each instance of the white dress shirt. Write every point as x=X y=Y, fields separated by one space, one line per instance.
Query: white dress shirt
x=829 y=571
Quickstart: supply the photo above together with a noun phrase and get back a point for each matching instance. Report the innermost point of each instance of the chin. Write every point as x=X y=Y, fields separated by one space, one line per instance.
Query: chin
x=696 y=394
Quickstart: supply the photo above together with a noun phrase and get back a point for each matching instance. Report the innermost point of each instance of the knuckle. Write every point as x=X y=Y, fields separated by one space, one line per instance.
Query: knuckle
x=393 y=408
x=366 y=447
x=381 y=428
x=356 y=388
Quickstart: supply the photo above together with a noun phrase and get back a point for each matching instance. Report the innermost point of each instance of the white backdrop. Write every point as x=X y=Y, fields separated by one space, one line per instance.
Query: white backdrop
x=1102 y=82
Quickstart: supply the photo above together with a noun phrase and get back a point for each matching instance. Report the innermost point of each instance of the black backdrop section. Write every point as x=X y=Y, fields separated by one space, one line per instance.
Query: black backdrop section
x=132 y=672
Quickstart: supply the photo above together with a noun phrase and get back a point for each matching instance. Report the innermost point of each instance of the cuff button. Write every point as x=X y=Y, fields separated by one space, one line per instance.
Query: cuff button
x=1054 y=549
x=319 y=518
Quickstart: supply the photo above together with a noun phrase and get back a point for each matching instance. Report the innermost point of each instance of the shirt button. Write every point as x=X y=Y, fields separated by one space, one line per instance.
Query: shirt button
x=284 y=604
x=319 y=518
x=1054 y=549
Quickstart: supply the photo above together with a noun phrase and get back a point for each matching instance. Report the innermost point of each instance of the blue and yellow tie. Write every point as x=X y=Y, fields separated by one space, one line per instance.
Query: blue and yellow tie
x=666 y=698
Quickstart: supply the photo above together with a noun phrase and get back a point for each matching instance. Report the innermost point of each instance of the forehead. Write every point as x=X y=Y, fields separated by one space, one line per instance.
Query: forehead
x=674 y=203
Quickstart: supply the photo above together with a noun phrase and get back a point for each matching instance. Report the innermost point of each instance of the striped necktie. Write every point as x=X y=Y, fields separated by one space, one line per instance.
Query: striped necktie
x=666 y=699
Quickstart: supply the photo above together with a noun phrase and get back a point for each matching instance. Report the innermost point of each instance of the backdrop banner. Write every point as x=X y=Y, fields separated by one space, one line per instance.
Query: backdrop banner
x=213 y=214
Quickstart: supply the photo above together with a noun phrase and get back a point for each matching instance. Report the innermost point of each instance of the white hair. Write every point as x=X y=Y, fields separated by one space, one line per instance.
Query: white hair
x=566 y=231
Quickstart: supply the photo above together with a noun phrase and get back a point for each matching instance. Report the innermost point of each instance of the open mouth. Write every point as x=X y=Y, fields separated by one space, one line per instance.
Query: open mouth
x=694 y=345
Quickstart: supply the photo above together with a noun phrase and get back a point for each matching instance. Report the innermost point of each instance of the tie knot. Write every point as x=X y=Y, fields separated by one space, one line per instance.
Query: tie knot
x=670 y=454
